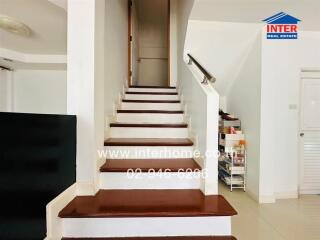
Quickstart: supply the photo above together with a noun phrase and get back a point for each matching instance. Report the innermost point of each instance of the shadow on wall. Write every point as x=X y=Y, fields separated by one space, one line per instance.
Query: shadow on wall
x=38 y=157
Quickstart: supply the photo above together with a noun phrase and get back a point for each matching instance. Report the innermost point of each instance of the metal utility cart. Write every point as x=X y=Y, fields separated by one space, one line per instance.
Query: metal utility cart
x=232 y=168
x=232 y=160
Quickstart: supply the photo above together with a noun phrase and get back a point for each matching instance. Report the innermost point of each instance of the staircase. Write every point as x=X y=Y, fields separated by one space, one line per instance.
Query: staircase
x=149 y=184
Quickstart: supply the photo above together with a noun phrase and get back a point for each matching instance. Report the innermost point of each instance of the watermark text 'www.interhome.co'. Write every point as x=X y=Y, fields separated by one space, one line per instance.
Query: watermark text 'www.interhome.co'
x=155 y=153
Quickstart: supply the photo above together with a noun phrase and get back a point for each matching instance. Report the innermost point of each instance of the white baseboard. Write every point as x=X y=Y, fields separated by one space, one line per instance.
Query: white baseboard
x=200 y=161
x=278 y=195
x=309 y=192
x=54 y=223
x=260 y=198
x=286 y=195
x=108 y=120
x=252 y=195
x=267 y=199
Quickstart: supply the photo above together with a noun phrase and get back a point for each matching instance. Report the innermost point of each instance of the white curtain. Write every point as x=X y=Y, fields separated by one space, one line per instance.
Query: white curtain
x=6 y=85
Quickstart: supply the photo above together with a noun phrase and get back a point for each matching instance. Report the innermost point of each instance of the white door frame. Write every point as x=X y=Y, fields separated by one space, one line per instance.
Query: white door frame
x=306 y=73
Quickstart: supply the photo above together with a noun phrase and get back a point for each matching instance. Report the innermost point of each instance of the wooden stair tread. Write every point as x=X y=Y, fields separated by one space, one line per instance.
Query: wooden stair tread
x=138 y=86
x=173 y=165
x=148 y=142
x=147 y=203
x=152 y=93
x=150 y=125
x=151 y=101
x=161 y=238
x=150 y=111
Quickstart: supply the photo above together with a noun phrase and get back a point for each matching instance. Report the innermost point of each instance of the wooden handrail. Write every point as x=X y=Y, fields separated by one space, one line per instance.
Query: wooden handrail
x=207 y=75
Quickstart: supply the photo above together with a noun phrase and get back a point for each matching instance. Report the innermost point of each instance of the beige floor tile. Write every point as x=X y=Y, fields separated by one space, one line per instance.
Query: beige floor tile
x=292 y=219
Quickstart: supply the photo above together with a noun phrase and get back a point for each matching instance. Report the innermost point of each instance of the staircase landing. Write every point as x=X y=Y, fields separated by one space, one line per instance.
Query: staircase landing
x=161 y=238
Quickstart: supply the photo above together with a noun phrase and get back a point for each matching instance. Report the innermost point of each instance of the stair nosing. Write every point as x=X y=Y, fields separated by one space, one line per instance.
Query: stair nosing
x=151 y=93
x=151 y=111
x=214 y=237
x=149 y=125
x=151 y=101
x=160 y=142
x=143 y=215
x=165 y=87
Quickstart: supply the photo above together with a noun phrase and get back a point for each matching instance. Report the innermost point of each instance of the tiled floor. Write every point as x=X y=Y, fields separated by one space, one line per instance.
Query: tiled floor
x=292 y=219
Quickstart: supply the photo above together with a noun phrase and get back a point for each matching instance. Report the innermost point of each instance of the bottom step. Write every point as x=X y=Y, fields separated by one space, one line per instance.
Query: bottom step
x=145 y=213
x=146 y=226
x=161 y=238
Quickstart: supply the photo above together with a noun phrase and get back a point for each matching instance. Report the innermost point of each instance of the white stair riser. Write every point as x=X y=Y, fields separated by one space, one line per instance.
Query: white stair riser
x=146 y=152
x=152 y=90
x=149 y=118
x=150 y=97
x=144 y=180
x=145 y=132
x=146 y=226
x=150 y=106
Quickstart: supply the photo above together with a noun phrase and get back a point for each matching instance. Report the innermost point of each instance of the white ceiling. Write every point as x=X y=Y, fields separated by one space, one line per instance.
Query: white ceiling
x=47 y=21
x=254 y=11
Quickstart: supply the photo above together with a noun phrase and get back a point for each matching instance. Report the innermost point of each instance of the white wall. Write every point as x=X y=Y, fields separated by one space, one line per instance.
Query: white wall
x=40 y=91
x=243 y=100
x=223 y=48
x=248 y=11
x=116 y=52
x=85 y=98
x=278 y=80
x=282 y=62
x=184 y=8
x=85 y=85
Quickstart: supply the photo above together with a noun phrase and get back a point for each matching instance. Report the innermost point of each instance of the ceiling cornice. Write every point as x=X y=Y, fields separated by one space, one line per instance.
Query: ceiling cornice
x=32 y=58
